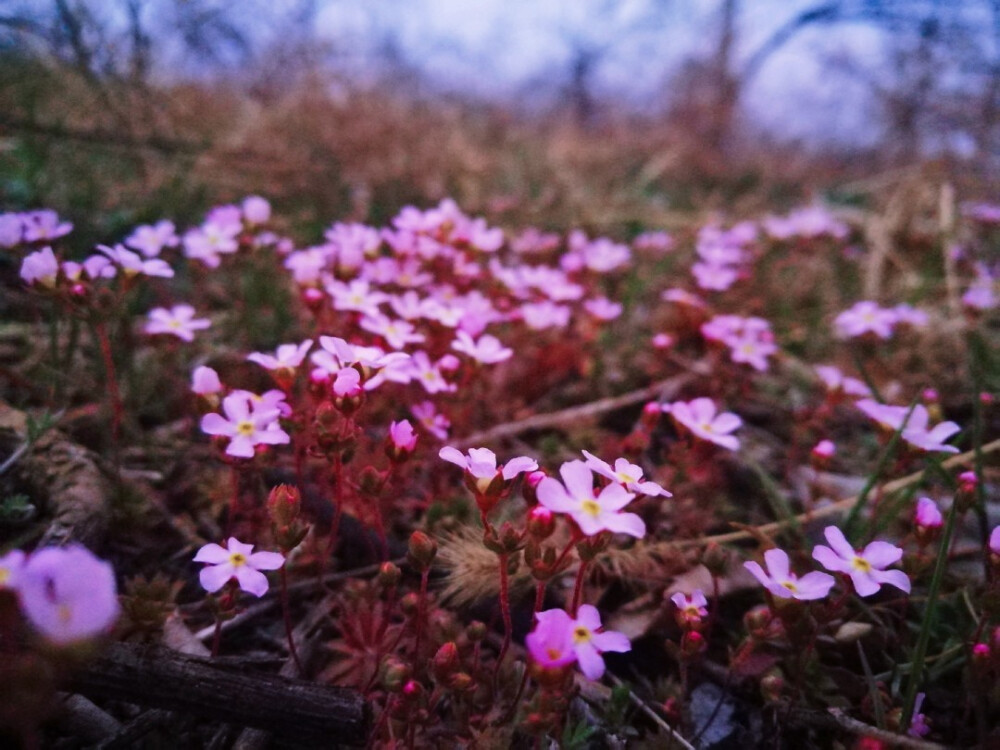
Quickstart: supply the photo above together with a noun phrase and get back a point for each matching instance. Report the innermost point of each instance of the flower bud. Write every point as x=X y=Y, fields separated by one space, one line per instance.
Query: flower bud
x=461 y=681
x=369 y=481
x=422 y=550
x=968 y=483
x=541 y=522
x=389 y=575
x=692 y=643
x=394 y=674
x=757 y=620
x=476 y=631
x=771 y=686
x=716 y=559
x=530 y=486
x=283 y=505
x=313 y=298
x=445 y=662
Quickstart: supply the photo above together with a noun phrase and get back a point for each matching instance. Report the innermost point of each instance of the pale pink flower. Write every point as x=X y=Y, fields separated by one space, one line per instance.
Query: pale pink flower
x=246 y=425
x=660 y=242
x=236 y=560
x=307 y=266
x=835 y=381
x=44 y=226
x=210 y=241
x=11 y=229
x=397 y=333
x=702 y=418
x=545 y=314
x=133 y=264
x=256 y=210
x=436 y=424
x=481 y=465
x=40 y=267
x=151 y=239
x=714 y=277
x=602 y=308
x=356 y=296
x=783 y=583
x=603 y=255
x=888 y=416
x=865 y=317
x=10 y=569
x=288 y=357
x=994 y=542
x=488 y=350
x=575 y=497
x=865 y=568
x=428 y=374
x=684 y=298
x=662 y=341
x=584 y=635
x=178 y=321
x=68 y=594
x=824 y=449
x=918 y=435
x=205 y=381
x=627 y=474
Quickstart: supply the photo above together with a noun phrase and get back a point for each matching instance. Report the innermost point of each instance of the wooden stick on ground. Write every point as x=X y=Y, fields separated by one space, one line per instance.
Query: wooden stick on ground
x=293 y=710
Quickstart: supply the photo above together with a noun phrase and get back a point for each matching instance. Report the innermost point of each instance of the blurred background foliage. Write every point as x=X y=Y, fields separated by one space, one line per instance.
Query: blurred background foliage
x=116 y=112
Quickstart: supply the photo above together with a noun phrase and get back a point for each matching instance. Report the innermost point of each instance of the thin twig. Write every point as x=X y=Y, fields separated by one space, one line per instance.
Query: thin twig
x=655 y=717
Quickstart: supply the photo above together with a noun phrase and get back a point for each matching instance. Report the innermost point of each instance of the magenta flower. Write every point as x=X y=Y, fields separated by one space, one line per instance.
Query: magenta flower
x=824 y=449
x=625 y=473
x=68 y=594
x=575 y=497
x=865 y=568
x=402 y=435
x=702 y=419
x=691 y=609
x=557 y=633
x=927 y=514
x=246 y=424
x=236 y=560
x=178 y=321
x=783 y=583
x=994 y=543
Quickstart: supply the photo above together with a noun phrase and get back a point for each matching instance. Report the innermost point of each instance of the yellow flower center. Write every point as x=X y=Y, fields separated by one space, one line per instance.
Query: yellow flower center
x=581 y=634
x=65 y=614
x=790 y=586
x=245 y=427
x=860 y=563
x=591 y=508
x=553 y=654
x=4 y=576
x=236 y=559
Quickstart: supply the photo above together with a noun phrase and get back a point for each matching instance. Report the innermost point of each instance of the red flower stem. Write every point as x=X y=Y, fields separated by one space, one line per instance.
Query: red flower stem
x=504 y=609
x=114 y=395
x=578 y=587
x=421 y=606
x=286 y=612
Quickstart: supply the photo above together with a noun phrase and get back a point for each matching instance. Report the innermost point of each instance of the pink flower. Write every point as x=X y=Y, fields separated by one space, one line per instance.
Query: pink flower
x=236 y=560
x=917 y=434
x=545 y=314
x=994 y=543
x=781 y=582
x=10 y=569
x=653 y=242
x=662 y=341
x=481 y=465
x=402 y=435
x=684 y=298
x=133 y=264
x=488 y=350
x=866 y=568
x=150 y=240
x=888 y=416
x=11 y=229
x=211 y=240
x=357 y=296
x=287 y=357
x=575 y=497
x=205 y=381
x=627 y=474
x=245 y=427
x=428 y=374
x=178 y=321
x=436 y=424
x=824 y=449
x=397 y=333
x=44 y=225
x=556 y=631
x=865 y=317
x=602 y=308
x=714 y=277
x=835 y=381
x=701 y=417
x=68 y=594
x=256 y=210
x=40 y=267
x=927 y=514
x=691 y=609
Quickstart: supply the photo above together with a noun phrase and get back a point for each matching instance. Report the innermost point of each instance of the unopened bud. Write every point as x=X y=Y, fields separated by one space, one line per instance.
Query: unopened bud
x=476 y=631
x=758 y=619
x=422 y=550
x=413 y=690
x=530 y=486
x=461 y=681
x=284 y=504
x=692 y=643
x=389 y=575
x=445 y=662
x=313 y=298
x=409 y=604
x=369 y=481
x=541 y=522
x=716 y=559
x=771 y=686
x=393 y=674
x=650 y=416
x=968 y=483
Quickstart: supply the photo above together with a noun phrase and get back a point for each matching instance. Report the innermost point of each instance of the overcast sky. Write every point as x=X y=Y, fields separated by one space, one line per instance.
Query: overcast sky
x=505 y=47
